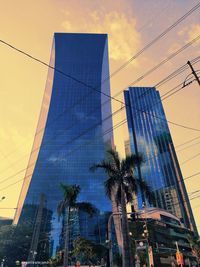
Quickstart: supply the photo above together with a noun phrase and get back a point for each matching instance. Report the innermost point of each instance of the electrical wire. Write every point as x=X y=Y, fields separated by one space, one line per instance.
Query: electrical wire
x=68 y=128
x=160 y=64
x=125 y=64
x=193 y=157
x=157 y=38
x=188 y=147
x=180 y=50
x=77 y=137
x=189 y=141
x=172 y=55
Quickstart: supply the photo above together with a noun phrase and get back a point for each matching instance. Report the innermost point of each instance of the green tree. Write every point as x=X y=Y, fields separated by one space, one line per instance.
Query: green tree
x=65 y=207
x=14 y=243
x=122 y=183
x=88 y=251
x=83 y=249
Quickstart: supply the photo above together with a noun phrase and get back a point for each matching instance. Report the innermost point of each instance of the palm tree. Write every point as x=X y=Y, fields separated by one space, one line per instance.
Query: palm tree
x=69 y=202
x=122 y=183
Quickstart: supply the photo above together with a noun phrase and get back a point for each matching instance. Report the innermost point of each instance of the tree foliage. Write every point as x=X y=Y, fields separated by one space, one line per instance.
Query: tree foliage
x=121 y=183
x=87 y=251
x=64 y=209
x=14 y=243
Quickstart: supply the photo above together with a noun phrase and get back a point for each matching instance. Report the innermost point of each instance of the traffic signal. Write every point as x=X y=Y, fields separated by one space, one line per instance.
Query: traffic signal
x=145 y=230
x=141 y=244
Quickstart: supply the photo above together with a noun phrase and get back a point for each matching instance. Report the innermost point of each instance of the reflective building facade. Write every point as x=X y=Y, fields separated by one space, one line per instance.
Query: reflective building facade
x=73 y=133
x=149 y=134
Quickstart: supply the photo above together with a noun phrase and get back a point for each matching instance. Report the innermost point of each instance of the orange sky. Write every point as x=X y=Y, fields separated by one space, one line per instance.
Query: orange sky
x=29 y=25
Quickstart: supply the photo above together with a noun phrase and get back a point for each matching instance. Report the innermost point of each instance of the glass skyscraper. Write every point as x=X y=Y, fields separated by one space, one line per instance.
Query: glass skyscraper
x=149 y=134
x=73 y=133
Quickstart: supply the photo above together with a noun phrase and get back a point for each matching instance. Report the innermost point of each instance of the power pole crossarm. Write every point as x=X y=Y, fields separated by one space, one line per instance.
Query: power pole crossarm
x=194 y=72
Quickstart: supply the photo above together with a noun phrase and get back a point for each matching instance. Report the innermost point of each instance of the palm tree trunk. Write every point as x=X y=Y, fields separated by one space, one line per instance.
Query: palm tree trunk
x=117 y=219
x=66 y=244
x=126 y=252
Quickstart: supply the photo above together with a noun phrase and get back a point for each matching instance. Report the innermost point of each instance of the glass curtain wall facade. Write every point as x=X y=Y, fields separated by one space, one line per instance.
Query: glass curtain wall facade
x=149 y=134
x=73 y=133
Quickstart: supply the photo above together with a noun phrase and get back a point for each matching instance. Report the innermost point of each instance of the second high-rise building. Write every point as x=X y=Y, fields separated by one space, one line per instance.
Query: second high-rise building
x=149 y=134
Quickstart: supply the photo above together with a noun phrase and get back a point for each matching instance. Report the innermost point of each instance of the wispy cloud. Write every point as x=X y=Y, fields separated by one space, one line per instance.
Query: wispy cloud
x=124 y=40
x=190 y=32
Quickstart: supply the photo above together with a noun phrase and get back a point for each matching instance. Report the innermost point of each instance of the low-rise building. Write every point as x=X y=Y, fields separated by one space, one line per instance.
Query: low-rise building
x=163 y=232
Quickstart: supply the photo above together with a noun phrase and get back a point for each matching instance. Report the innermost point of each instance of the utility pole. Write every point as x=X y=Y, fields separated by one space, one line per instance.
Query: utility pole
x=194 y=72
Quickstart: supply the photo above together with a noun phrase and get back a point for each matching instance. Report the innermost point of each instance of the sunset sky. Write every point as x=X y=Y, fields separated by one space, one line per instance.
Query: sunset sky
x=29 y=25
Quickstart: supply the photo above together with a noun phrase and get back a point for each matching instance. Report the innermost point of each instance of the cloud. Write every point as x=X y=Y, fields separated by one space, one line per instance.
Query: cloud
x=190 y=32
x=124 y=40
x=183 y=31
x=186 y=34
x=193 y=32
x=173 y=48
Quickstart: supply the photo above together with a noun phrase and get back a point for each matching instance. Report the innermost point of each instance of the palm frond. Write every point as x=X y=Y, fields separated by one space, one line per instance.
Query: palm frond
x=70 y=193
x=131 y=181
x=131 y=162
x=110 y=186
x=106 y=165
x=146 y=189
x=115 y=158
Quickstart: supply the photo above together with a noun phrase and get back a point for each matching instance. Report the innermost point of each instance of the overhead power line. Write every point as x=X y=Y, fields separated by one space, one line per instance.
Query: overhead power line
x=87 y=143
x=131 y=59
x=188 y=147
x=188 y=177
x=172 y=55
x=189 y=141
x=106 y=132
x=26 y=177
x=174 y=204
x=191 y=158
x=76 y=138
x=143 y=76
x=176 y=72
x=97 y=90
x=115 y=100
x=194 y=60
x=157 y=38
x=173 y=91
x=80 y=100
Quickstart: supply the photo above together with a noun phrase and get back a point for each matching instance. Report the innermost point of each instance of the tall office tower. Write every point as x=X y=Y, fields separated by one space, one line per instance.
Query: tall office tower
x=73 y=133
x=149 y=134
